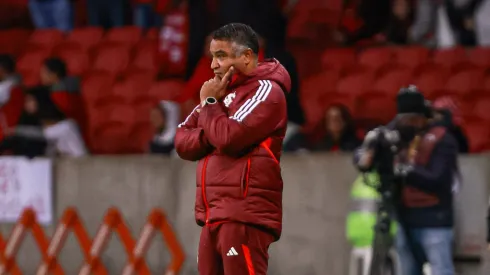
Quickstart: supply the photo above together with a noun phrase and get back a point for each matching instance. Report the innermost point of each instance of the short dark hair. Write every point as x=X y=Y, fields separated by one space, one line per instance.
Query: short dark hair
x=239 y=33
x=7 y=63
x=56 y=66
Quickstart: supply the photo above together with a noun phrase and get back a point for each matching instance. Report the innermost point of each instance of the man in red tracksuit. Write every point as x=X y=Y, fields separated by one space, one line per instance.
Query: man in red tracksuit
x=236 y=134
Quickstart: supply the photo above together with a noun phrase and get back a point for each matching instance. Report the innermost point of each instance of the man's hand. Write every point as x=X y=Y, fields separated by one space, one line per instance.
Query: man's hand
x=216 y=87
x=366 y=157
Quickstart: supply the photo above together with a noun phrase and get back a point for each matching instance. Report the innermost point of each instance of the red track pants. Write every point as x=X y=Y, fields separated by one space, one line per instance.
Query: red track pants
x=233 y=249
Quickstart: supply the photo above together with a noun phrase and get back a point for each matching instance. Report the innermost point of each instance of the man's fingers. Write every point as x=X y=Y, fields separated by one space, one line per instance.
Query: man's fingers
x=226 y=78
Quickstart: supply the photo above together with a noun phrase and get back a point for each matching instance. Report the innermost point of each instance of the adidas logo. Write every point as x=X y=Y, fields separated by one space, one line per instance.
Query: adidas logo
x=232 y=252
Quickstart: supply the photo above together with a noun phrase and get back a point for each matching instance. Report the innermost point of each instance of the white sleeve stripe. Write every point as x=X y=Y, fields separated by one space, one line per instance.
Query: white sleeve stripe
x=269 y=87
x=249 y=101
x=189 y=116
x=260 y=96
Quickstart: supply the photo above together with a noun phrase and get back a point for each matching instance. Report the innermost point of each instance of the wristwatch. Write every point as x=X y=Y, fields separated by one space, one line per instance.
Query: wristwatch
x=209 y=100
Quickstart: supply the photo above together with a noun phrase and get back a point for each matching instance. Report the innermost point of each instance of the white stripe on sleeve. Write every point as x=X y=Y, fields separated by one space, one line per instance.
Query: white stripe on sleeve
x=260 y=96
x=189 y=116
x=249 y=101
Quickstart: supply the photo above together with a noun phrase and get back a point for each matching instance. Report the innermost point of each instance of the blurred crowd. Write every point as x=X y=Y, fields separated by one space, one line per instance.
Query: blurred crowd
x=43 y=119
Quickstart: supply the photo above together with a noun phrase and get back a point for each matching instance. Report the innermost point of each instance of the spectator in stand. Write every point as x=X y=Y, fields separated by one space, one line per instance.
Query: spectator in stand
x=482 y=23
x=432 y=16
x=11 y=94
x=54 y=76
x=446 y=111
x=61 y=133
x=107 y=13
x=165 y=119
x=338 y=134
x=8 y=78
x=26 y=138
x=145 y=15
x=375 y=22
x=56 y=14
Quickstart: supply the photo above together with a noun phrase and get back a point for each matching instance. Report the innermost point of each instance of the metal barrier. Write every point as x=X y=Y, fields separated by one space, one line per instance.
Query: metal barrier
x=92 y=249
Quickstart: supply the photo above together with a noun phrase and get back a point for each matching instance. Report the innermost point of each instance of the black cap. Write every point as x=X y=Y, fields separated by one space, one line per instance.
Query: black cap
x=429 y=110
x=411 y=101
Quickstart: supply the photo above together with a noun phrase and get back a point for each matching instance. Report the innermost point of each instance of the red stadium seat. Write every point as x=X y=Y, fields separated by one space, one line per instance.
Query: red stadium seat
x=95 y=86
x=478 y=133
x=112 y=131
x=85 y=38
x=338 y=59
x=165 y=90
x=430 y=83
x=411 y=57
x=113 y=60
x=376 y=58
x=77 y=60
x=152 y=34
x=45 y=39
x=480 y=108
x=355 y=84
x=140 y=137
x=463 y=83
x=319 y=84
x=127 y=91
x=486 y=84
x=13 y=41
x=29 y=66
x=390 y=83
x=124 y=35
x=480 y=56
x=145 y=58
x=450 y=58
x=375 y=109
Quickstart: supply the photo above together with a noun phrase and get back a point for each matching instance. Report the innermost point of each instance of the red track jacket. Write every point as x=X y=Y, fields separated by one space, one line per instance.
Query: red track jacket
x=238 y=143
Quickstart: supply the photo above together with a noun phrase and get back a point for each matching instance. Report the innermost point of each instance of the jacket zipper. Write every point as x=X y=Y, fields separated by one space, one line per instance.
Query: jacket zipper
x=247 y=175
x=203 y=187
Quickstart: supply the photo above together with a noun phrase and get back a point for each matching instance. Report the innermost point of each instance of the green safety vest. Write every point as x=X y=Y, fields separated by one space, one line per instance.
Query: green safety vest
x=362 y=218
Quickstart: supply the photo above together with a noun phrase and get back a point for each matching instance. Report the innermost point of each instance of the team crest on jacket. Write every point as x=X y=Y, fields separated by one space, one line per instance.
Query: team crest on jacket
x=229 y=99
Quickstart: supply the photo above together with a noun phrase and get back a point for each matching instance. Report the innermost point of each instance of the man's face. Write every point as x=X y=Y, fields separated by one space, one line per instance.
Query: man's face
x=30 y=104
x=415 y=121
x=48 y=78
x=409 y=125
x=224 y=56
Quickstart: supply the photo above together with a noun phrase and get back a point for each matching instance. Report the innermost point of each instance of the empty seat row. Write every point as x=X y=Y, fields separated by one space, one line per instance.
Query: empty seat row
x=116 y=60
x=432 y=83
x=454 y=59
x=16 y=41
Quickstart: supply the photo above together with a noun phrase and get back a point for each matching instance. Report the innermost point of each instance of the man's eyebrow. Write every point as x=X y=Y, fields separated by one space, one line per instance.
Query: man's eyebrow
x=219 y=52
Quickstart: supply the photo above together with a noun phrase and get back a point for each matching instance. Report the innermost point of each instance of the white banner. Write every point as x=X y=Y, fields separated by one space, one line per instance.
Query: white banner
x=26 y=183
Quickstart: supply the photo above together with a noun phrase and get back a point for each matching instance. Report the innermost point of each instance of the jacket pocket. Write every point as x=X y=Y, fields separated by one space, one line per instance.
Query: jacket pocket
x=245 y=178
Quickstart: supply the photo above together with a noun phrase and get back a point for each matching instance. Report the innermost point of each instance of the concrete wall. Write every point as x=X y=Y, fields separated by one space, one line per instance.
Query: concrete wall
x=316 y=191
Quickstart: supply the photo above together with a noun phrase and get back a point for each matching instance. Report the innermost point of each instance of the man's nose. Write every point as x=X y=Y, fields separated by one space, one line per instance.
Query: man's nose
x=214 y=64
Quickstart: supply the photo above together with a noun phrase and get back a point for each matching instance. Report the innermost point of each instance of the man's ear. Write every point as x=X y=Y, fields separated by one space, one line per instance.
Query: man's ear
x=249 y=56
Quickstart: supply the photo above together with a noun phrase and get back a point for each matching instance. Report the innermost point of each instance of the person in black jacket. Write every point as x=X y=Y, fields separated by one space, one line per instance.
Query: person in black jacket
x=425 y=169
x=445 y=117
x=27 y=138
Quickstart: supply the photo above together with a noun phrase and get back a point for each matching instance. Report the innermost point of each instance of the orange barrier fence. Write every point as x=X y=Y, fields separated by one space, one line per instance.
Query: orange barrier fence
x=92 y=249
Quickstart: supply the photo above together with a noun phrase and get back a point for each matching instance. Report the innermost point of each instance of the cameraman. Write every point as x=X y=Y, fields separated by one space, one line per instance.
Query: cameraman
x=422 y=163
